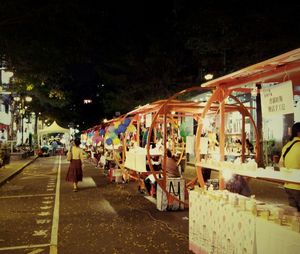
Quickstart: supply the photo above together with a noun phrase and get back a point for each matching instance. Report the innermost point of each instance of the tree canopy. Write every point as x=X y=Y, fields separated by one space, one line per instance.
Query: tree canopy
x=121 y=55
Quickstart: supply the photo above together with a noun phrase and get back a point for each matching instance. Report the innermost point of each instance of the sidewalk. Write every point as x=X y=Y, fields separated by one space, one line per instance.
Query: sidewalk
x=15 y=166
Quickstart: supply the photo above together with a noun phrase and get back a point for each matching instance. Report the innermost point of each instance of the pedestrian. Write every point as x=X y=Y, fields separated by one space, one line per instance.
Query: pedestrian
x=54 y=147
x=75 y=156
x=290 y=158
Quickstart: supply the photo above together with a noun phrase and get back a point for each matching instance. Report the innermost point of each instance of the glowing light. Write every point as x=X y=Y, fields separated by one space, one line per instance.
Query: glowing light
x=87 y=101
x=208 y=76
x=28 y=98
x=227 y=174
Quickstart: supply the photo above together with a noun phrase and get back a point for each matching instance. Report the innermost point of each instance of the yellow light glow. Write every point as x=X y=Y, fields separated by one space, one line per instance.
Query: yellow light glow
x=28 y=99
x=208 y=76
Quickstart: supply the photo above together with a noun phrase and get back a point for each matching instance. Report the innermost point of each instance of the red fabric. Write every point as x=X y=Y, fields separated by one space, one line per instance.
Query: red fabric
x=75 y=171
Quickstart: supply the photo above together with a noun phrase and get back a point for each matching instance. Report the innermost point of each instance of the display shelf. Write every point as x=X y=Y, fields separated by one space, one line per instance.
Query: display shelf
x=284 y=175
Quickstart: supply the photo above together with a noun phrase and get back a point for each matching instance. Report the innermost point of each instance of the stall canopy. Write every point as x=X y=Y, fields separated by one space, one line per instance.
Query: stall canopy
x=54 y=128
x=278 y=69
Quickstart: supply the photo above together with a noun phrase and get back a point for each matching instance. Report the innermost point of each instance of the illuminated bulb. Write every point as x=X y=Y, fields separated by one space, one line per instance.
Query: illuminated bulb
x=208 y=76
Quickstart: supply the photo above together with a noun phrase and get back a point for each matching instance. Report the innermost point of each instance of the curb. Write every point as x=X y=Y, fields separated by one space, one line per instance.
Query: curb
x=17 y=171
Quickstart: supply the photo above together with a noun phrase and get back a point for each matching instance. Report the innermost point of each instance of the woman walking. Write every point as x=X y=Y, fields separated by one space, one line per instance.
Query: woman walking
x=75 y=156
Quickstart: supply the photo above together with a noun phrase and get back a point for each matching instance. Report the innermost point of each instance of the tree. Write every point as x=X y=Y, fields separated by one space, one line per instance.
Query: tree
x=63 y=51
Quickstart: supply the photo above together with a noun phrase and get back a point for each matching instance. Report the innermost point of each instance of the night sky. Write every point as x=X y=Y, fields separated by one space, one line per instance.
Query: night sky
x=125 y=54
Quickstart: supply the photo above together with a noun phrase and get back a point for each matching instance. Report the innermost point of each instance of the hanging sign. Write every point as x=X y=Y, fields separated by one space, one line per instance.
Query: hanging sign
x=148 y=120
x=189 y=122
x=277 y=99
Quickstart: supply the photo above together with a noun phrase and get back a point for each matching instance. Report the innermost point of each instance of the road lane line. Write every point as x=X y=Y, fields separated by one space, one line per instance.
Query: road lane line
x=36 y=251
x=55 y=221
x=25 y=247
x=27 y=196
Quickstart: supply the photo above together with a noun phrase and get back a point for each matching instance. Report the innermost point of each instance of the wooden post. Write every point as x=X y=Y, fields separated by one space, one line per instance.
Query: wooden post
x=165 y=149
x=222 y=141
x=138 y=129
x=243 y=138
x=259 y=143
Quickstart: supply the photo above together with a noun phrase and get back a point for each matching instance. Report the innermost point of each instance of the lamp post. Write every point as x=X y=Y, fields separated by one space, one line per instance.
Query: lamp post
x=22 y=100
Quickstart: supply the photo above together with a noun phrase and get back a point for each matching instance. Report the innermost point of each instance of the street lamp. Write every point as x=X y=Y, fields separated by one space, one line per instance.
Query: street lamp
x=22 y=110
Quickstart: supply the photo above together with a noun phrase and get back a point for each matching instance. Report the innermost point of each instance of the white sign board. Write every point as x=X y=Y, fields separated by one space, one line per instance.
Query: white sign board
x=189 y=123
x=148 y=120
x=277 y=99
x=203 y=145
x=190 y=144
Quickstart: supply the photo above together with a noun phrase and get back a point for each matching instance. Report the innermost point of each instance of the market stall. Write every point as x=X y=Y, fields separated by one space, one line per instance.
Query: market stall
x=54 y=128
x=272 y=87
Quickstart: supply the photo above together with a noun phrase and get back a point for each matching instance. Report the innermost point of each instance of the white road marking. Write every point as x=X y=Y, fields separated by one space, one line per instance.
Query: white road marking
x=106 y=206
x=25 y=247
x=36 y=251
x=87 y=182
x=151 y=199
x=55 y=221
x=49 y=197
x=29 y=196
x=47 y=202
x=44 y=214
x=45 y=207
x=40 y=233
x=43 y=221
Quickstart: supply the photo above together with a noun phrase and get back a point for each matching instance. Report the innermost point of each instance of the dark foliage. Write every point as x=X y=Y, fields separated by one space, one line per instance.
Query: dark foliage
x=141 y=51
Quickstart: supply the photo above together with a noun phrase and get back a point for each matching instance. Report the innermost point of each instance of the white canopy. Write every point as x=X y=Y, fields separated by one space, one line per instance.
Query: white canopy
x=54 y=128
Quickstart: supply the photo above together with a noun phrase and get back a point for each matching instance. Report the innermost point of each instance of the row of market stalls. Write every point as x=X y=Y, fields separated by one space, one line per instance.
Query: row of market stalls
x=234 y=125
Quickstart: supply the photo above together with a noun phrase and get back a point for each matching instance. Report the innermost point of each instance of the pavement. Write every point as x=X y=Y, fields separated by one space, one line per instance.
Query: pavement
x=15 y=166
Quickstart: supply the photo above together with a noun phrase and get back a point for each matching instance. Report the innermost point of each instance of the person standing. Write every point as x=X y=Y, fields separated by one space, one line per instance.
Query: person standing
x=75 y=156
x=290 y=158
x=54 y=147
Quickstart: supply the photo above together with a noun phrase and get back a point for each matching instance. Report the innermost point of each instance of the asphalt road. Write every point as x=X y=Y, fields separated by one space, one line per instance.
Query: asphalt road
x=39 y=213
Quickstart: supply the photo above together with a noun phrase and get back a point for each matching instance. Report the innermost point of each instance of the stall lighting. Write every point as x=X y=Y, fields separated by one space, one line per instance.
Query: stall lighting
x=104 y=120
